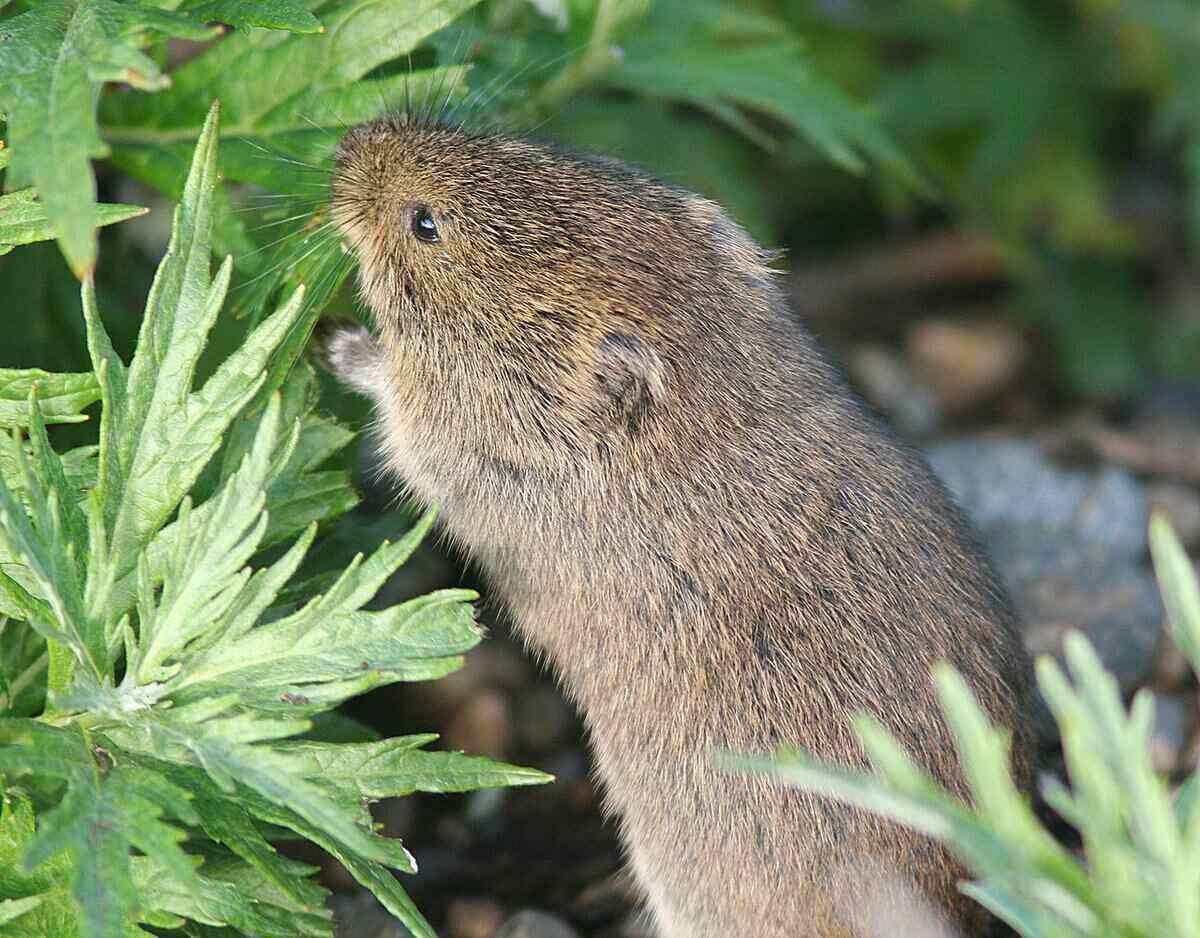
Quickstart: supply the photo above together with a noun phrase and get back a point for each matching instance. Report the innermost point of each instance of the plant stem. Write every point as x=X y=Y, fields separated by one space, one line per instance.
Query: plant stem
x=25 y=678
x=596 y=59
x=62 y=667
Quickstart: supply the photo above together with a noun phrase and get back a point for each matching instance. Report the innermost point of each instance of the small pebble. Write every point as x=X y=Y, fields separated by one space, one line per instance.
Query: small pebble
x=530 y=923
x=965 y=361
x=474 y=918
x=483 y=725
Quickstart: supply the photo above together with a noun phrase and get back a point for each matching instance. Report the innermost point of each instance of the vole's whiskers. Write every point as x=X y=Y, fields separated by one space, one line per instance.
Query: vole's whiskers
x=276 y=155
x=482 y=98
x=281 y=221
x=323 y=236
x=286 y=237
x=317 y=127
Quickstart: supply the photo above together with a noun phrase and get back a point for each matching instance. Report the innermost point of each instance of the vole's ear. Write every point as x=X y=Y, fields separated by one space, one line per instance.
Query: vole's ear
x=630 y=375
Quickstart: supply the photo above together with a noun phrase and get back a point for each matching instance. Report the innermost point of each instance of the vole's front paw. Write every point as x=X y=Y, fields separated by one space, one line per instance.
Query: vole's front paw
x=348 y=352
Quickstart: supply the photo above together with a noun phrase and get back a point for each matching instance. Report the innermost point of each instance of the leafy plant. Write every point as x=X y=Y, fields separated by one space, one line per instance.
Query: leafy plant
x=1139 y=875
x=289 y=91
x=159 y=670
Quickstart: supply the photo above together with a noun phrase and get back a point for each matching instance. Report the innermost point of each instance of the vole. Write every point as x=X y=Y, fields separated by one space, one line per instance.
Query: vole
x=682 y=506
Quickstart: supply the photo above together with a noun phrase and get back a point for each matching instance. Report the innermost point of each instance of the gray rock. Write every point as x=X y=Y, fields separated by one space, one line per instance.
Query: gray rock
x=530 y=923
x=1007 y=483
x=1069 y=544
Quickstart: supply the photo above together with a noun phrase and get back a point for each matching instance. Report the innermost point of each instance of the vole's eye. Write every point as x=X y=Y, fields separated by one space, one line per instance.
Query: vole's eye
x=424 y=226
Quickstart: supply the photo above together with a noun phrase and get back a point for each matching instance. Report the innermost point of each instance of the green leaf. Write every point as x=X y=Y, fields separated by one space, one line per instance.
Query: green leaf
x=49 y=909
x=23 y=220
x=207 y=573
x=106 y=810
x=1180 y=589
x=23 y=664
x=679 y=146
x=51 y=61
x=227 y=821
x=223 y=902
x=286 y=661
x=297 y=495
x=734 y=65
x=62 y=398
x=1019 y=105
x=302 y=76
x=38 y=545
x=291 y=15
x=15 y=908
x=156 y=433
x=391 y=768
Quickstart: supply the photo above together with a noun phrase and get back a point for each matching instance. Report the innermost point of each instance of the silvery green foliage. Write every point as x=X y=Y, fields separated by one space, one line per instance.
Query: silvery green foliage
x=1139 y=876
x=155 y=683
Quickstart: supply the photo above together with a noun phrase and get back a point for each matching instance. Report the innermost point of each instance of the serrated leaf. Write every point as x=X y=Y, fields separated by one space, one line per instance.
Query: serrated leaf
x=300 y=74
x=385 y=887
x=51 y=60
x=23 y=219
x=54 y=913
x=106 y=810
x=207 y=571
x=296 y=497
x=156 y=433
x=108 y=553
x=61 y=397
x=291 y=659
x=395 y=767
x=227 y=822
x=219 y=903
x=38 y=547
x=222 y=747
x=413 y=641
x=17 y=830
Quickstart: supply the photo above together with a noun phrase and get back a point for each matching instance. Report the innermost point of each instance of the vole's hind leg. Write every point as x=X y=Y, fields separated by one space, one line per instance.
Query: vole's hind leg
x=350 y=353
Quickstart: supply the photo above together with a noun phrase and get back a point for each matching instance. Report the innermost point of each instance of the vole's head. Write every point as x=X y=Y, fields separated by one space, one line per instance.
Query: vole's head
x=553 y=268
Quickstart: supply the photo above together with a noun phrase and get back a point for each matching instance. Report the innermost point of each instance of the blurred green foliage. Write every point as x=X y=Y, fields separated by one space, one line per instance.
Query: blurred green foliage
x=1067 y=130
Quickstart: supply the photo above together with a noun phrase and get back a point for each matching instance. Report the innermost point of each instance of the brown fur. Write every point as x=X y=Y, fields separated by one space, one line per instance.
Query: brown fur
x=682 y=505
